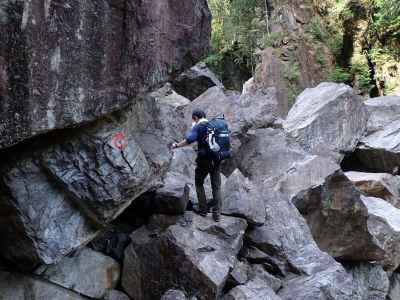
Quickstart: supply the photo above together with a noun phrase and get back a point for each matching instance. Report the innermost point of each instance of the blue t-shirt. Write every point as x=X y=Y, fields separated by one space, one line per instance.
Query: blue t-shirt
x=199 y=134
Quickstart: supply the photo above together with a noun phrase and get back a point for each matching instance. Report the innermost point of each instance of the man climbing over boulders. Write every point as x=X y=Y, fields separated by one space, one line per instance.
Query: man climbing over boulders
x=212 y=139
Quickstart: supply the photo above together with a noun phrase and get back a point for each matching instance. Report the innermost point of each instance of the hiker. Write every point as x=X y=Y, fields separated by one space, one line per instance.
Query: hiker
x=209 y=157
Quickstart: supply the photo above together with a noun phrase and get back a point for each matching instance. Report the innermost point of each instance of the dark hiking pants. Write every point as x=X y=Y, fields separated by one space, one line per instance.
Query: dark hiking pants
x=208 y=167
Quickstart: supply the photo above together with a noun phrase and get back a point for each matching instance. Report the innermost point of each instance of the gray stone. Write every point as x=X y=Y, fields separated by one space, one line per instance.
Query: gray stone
x=338 y=219
x=268 y=153
x=394 y=290
x=88 y=273
x=371 y=281
x=100 y=178
x=379 y=185
x=253 y=290
x=379 y=150
x=115 y=295
x=195 y=81
x=31 y=200
x=328 y=120
x=348 y=225
x=286 y=237
x=384 y=225
x=21 y=287
x=243 y=112
x=258 y=271
x=83 y=178
x=189 y=251
x=174 y=295
x=242 y=199
x=73 y=63
x=239 y=274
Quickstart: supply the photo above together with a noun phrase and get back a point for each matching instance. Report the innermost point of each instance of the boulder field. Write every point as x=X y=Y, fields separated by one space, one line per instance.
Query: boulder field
x=95 y=205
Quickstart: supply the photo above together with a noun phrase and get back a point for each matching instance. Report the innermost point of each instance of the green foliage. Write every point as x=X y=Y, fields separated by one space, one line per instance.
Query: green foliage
x=340 y=75
x=272 y=40
x=361 y=73
x=318 y=30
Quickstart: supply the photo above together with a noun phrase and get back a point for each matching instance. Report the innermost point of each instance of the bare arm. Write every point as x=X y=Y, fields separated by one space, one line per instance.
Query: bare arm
x=180 y=144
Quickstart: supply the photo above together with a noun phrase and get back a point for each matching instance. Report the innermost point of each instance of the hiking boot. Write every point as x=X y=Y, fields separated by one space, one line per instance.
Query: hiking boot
x=203 y=214
x=216 y=216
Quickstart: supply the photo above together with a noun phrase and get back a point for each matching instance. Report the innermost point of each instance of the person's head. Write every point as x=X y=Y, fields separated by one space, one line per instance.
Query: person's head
x=197 y=115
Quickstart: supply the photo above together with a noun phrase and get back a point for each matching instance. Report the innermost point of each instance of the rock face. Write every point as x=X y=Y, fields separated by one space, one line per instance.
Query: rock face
x=328 y=120
x=20 y=287
x=379 y=149
x=253 y=290
x=242 y=199
x=93 y=58
x=189 y=251
x=379 y=185
x=195 y=81
x=371 y=281
x=285 y=237
x=88 y=273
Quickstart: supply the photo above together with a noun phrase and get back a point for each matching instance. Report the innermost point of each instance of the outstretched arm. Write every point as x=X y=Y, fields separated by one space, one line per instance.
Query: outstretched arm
x=191 y=138
x=180 y=144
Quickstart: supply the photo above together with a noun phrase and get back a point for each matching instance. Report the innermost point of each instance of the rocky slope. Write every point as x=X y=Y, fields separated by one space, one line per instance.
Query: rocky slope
x=101 y=208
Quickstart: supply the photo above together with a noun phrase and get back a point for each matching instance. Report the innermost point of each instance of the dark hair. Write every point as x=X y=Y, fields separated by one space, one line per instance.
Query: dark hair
x=198 y=113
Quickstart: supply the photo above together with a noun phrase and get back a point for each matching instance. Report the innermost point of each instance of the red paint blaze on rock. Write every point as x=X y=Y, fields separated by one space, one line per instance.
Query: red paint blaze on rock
x=119 y=141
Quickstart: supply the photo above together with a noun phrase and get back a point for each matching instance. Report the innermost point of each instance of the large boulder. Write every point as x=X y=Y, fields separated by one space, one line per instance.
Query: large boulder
x=286 y=238
x=349 y=225
x=63 y=65
x=328 y=120
x=251 y=110
x=189 y=252
x=253 y=290
x=242 y=199
x=21 y=287
x=268 y=153
x=379 y=150
x=195 y=81
x=88 y=273
x=52 y=194
x=379 y=185
x=371 y=281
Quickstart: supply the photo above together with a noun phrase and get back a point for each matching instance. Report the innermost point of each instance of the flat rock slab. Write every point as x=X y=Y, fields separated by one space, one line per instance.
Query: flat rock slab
x=328 y=120
x=88 y=273
x=21 y=287
x=189 y=251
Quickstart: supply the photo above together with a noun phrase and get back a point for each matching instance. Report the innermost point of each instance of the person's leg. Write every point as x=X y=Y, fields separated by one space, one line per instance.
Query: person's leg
x=201 y=173
x=216 y=190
